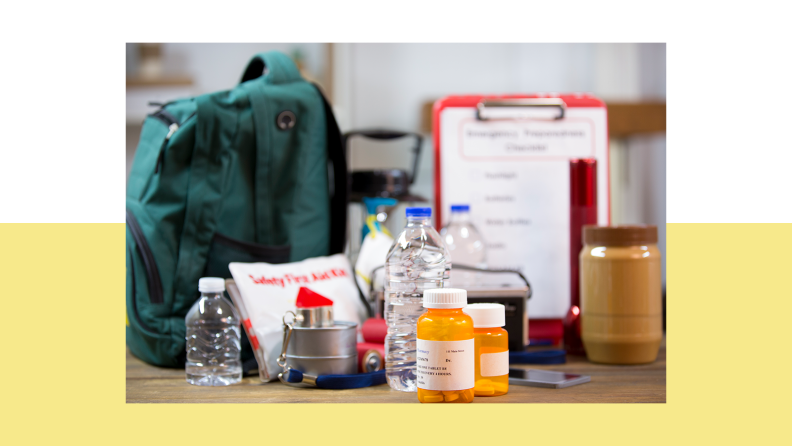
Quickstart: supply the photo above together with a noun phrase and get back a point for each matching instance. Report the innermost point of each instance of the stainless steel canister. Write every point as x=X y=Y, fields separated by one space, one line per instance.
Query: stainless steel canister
x=323 y=350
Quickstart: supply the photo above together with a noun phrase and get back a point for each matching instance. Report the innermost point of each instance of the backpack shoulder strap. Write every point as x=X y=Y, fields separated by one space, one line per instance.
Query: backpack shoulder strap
x=215 y=129
x=274 y=67
x=339 y=183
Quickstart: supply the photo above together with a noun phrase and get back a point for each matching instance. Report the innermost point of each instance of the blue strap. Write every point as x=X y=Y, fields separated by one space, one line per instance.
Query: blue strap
x=294 y=376
x=539 y=357
x=354 y=381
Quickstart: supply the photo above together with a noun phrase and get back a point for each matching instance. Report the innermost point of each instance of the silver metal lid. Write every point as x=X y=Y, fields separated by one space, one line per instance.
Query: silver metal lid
x=314 y=317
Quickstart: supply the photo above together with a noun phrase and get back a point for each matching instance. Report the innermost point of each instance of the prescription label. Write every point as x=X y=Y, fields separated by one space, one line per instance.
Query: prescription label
x=494 y=364
x=445 y=365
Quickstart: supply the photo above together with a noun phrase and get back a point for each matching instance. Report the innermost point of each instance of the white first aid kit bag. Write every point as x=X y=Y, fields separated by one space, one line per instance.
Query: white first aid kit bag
x=268 y=291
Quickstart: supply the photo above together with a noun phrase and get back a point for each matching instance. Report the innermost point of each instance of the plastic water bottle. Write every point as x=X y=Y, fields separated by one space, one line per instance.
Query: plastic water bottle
x=464 y=244
x=417 y=261
x=213 y=333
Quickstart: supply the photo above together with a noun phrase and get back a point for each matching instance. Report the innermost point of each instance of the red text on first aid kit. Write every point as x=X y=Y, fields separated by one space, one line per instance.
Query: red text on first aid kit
x=292 y=279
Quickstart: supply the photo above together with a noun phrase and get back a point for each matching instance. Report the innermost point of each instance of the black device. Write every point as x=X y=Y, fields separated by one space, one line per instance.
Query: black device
x=390 y=183
x=515 y=299
x=494 y=287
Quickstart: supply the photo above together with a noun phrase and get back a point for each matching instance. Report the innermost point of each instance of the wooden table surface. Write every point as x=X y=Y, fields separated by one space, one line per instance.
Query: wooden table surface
x=609 y=384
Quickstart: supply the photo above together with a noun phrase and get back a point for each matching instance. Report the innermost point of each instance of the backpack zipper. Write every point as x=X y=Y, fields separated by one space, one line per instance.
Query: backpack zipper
x=161 y=158
x=173 y=125
x=169 y=120
x=152 y=274
x=134 y=298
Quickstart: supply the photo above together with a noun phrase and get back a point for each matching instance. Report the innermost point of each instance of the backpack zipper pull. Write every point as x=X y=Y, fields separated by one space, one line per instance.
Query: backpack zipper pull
x=171 y=130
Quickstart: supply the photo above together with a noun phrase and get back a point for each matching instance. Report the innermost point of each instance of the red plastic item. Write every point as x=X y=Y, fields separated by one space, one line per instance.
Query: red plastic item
x=546 y=330
x=374 y=330
x=582 y=211
x=309 y=299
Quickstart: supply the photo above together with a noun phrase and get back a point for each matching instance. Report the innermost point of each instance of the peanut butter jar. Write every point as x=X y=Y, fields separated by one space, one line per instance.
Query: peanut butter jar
x=620 y=294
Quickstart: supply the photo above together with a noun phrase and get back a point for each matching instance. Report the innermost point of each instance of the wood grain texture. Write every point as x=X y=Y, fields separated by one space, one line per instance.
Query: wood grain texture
x=609 y=384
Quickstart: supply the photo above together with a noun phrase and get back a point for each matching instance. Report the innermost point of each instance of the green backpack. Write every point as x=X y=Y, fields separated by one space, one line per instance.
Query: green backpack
x=253 y=174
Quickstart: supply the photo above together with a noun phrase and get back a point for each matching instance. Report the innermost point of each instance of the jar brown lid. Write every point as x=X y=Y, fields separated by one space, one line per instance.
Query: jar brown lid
x=619 y=235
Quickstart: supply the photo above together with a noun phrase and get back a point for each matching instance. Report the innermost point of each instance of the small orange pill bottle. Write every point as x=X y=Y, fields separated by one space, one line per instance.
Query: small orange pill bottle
x=491 y=348
x=445 y=348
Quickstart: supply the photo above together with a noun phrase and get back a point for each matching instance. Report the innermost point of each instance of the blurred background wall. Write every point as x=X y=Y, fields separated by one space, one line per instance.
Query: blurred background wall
x=393 y=85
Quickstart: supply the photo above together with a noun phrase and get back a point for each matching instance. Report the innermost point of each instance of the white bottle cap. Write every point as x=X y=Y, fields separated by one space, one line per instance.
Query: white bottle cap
x=486 y=315
x=444 y=298
x=211 y=285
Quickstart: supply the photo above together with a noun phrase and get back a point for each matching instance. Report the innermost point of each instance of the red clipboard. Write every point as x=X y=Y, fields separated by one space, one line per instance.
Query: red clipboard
x=568 y=105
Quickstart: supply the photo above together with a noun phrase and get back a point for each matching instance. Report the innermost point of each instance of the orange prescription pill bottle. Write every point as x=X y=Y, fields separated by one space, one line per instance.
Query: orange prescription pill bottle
x=491 y=348
x=445 y=363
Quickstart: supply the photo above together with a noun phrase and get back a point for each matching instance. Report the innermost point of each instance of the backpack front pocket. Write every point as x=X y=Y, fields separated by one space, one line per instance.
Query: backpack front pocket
x=153 y=339
x=225 y=250
x=147 y=257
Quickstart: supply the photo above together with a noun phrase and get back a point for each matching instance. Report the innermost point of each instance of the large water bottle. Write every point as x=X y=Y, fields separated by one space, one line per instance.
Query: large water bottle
x=464 y=244
x=213 y=333
x=417 y=261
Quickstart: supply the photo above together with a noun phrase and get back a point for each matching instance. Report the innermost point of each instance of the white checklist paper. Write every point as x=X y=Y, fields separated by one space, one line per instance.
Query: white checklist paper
x=514 y=174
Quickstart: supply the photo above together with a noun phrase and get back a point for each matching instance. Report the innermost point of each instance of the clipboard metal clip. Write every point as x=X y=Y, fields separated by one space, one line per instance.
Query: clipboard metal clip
x=522 y=108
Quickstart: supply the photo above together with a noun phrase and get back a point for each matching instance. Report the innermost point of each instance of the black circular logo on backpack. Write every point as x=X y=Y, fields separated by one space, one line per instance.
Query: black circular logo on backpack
x=286 y=120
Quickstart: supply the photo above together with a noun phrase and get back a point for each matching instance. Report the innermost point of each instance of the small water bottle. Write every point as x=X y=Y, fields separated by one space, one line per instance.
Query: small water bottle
x=213 y=334
x=464 y=244
x=417 y=261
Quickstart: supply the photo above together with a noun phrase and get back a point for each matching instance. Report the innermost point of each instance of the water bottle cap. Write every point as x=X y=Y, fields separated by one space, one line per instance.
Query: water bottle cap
x=445 y=298
x=419 y=212
x=211 y=285
x=486 y=315
x=460 y=208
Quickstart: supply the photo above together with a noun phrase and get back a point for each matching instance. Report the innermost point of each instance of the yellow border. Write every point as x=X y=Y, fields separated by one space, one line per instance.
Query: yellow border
x=63 y=368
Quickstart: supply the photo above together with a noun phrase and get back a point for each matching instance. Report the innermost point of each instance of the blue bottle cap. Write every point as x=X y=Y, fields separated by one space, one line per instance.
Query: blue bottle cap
x=419 y=212
x=460 y=207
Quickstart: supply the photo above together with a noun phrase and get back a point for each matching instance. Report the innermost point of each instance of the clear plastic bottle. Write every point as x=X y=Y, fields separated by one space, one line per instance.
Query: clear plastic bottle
x=465 y=244
x=213 y=334
x=417 y=261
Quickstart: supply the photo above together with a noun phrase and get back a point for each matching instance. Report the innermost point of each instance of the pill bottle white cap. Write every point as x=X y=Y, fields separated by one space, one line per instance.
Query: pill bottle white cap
x=486 y=315
x=211 y=285
x=444 y=298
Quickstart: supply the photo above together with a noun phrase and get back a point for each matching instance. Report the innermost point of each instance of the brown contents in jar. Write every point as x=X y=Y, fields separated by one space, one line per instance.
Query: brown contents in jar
x=620 y=293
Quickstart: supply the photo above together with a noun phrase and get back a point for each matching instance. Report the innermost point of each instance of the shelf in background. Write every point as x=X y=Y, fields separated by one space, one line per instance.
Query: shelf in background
x=164 y=81
x=635 y=118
